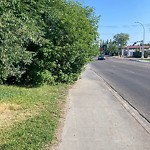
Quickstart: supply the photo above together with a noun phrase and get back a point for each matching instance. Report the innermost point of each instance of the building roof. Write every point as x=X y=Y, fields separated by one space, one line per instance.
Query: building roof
x=136 y=47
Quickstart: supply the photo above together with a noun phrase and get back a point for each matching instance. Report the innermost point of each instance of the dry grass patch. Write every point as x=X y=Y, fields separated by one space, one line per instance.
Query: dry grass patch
x=4 y=107
x=29 y=117
x=12 y=113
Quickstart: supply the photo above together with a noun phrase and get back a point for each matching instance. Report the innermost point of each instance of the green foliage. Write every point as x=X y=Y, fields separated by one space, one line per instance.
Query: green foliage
x=112 y=48
x=45 y=41
x=145 y=54
x=121 y=39
x=13 y=56
x=43 y=77
x=137 y=54
x=16 y=32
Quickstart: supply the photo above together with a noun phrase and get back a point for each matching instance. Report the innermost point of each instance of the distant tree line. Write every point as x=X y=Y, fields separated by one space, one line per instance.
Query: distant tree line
x=45 y=41
x=113 y=47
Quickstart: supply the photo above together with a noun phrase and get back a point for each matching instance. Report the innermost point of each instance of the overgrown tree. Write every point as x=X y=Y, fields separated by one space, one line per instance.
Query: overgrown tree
x=112 y=48
x=16 y=29
x=45 y=41
x=121 y=40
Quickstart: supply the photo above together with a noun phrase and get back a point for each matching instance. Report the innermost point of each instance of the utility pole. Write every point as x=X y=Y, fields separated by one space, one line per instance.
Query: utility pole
x=143 y=39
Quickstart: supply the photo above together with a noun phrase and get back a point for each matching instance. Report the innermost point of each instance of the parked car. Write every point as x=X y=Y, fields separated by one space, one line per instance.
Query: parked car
x=101 y=57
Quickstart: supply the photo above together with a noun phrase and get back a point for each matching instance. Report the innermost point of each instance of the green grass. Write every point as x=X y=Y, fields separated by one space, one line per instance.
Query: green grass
x=39 y=109
x=147 y=59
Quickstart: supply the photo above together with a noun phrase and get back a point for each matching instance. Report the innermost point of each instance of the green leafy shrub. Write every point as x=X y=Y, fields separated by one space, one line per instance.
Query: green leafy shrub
x=43 y=42
x=137 y=54
x=145 y=54
x=44 y=77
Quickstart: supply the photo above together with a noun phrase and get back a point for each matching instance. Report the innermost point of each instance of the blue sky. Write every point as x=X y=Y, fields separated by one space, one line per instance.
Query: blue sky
x=119 y=16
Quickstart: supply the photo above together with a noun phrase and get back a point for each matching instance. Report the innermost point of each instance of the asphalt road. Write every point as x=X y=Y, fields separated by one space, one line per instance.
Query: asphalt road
x=130 y=79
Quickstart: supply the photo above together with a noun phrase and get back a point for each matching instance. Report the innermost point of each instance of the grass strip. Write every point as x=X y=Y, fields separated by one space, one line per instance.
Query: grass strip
x=35 y=130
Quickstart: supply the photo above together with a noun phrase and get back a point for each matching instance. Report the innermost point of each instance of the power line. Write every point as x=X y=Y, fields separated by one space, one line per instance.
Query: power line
x=115 y=33
x=122 y=26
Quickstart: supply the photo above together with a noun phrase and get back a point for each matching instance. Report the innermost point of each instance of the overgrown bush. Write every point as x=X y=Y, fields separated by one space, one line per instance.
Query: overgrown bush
x=145 y=54
x=138 y=54
x=45 y=41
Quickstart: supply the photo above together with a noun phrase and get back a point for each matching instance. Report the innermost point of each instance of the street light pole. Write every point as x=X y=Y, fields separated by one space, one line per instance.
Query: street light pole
x=143 y=39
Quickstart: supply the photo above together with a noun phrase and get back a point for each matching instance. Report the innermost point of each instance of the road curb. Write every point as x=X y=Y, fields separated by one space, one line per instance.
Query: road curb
x=136 y=115
x=144 y=61
x=132 y=59
x=139 y=118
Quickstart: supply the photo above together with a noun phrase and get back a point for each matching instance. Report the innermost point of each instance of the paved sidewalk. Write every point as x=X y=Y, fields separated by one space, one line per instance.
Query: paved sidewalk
x=96 y=120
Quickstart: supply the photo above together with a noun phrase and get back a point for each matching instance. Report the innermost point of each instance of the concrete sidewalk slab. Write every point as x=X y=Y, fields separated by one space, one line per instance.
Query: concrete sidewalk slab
x=96 y=120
